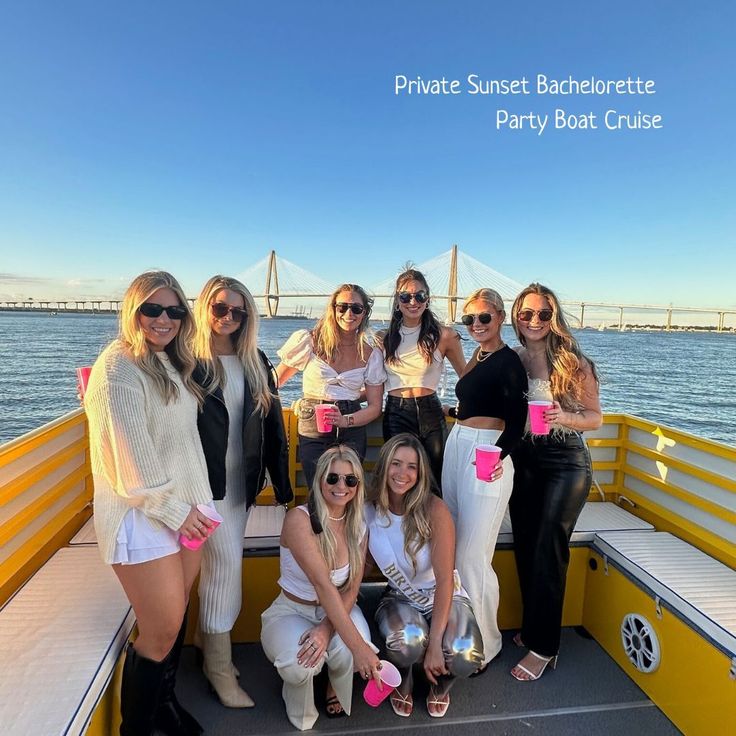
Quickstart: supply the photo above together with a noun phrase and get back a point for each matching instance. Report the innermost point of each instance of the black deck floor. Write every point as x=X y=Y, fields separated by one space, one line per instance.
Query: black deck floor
x=587 y=694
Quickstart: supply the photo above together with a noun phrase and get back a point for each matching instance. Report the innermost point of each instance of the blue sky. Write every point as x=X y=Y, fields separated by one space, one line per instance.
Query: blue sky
x=198 y=136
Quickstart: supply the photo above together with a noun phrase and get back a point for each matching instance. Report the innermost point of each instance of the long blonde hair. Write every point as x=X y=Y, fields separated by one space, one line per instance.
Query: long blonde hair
x=415 y=524
x=326 y=333
x=354 y=518
x=564 y=356
x=178 y=350
x=244 y=341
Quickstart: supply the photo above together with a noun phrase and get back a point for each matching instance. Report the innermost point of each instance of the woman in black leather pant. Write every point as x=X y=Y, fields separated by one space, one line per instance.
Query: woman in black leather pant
x=552 y=473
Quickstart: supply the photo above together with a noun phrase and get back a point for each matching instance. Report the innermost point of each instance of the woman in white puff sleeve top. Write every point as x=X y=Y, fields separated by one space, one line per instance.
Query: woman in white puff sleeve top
x=337 y=363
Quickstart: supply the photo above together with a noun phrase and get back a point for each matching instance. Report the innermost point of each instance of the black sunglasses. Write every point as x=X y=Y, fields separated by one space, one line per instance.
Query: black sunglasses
x=220 y=310
x=420 y=297
x=527 y=315
x=149 y=309
x=343 y=307
x=484 y=318
x=332 y=479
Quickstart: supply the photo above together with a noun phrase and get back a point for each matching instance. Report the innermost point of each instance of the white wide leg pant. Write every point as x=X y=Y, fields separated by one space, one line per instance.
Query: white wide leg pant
x=477 y=508
x=282 y=625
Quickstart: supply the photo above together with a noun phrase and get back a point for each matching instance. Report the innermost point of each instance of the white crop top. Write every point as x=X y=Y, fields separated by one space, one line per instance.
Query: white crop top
x=294 y=581
x=412 y=370
x=320 y=380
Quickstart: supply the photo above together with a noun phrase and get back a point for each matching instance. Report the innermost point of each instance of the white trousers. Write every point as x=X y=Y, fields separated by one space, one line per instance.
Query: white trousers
x=477 y=508
x=282 y=625
x=220 y=577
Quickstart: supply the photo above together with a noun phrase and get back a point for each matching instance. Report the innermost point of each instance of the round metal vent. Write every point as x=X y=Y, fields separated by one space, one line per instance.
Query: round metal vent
x=640 y=642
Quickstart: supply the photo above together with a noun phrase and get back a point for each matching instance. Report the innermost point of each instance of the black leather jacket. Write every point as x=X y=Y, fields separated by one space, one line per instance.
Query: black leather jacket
x=264 y=441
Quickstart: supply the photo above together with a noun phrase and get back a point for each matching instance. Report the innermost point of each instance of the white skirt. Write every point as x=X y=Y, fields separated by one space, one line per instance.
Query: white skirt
x=139 y=541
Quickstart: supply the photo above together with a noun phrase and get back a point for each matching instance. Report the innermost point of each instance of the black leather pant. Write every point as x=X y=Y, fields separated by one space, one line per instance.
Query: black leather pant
x=552 y=477
x=422 y=417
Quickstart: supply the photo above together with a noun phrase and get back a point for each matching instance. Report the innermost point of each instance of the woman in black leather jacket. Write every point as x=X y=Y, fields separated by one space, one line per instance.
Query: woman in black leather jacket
x=243 y=436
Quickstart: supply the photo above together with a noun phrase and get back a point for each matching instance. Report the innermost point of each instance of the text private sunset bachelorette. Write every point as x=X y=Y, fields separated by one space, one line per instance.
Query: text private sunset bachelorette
x=617 y=113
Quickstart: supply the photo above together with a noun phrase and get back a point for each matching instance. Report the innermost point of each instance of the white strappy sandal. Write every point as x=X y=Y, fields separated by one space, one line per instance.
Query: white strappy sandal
x=551 y=661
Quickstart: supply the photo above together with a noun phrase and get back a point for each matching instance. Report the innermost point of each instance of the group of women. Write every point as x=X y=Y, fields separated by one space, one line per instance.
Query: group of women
x=184 y=417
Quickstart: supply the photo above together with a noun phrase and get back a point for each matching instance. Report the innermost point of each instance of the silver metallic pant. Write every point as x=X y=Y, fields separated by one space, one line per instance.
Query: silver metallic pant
x=405 y=631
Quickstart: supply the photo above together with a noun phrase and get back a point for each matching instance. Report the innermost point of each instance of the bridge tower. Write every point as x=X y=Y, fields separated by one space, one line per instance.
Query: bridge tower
x=452 y=286
x=272 y=308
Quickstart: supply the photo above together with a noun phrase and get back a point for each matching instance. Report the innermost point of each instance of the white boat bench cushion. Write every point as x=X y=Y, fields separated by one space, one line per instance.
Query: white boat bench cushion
x=263 y=528
x=596 y=516
x=60 y=637
x=701 y=589
x=86 y=535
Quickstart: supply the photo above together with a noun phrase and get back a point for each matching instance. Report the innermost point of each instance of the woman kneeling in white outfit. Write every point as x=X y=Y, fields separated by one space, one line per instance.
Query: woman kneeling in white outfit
x=314 y=621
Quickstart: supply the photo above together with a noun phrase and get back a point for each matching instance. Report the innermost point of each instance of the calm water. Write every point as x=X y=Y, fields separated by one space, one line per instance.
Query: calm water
x=683 y=380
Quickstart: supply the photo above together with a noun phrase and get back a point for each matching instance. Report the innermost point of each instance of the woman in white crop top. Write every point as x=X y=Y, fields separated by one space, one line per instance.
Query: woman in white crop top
x=425 y=615
x=315 y=621
x=414 y=347
x=338 y=363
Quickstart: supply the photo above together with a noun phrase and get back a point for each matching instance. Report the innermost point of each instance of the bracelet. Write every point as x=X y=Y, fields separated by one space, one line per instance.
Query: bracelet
x=350 y=419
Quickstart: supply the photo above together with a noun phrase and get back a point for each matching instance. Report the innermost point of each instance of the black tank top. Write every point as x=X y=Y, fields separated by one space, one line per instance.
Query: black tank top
x=496 y=387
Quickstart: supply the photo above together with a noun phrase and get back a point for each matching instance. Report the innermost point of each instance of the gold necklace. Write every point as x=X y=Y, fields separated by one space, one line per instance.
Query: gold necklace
x=483 y=355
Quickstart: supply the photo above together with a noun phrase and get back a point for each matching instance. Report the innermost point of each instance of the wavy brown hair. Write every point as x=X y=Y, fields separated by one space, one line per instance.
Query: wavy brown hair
x=326 y=333
x=415 y=523
x=132 y=338
x=244 y=341
x=564 y=357
x=430 y=331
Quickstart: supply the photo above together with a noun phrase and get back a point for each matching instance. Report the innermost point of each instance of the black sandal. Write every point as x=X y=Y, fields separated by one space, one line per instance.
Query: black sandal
x=331 y=706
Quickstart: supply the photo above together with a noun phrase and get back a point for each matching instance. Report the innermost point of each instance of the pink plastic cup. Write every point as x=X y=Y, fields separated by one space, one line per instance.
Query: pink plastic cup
x=83 y=379
x=536 y=416
x=323 y=423
x=391 y=679
x=215 y=521
x=486 y=458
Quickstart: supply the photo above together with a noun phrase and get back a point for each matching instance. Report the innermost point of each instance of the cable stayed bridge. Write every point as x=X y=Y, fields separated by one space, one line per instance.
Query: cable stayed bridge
x=452 y=275
x=285 y=289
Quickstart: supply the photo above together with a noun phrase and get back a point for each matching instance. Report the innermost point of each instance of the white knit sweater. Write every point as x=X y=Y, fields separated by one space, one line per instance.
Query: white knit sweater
x=144 y=452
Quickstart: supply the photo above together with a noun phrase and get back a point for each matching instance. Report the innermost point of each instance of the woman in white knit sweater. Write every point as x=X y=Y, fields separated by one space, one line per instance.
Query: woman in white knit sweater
x=149 y=475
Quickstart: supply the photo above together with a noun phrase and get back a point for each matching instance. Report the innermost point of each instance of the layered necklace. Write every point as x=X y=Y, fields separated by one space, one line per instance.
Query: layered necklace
x=482 y=355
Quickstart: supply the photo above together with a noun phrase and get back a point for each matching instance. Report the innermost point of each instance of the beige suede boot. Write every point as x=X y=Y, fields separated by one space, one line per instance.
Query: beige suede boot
x=218 y=669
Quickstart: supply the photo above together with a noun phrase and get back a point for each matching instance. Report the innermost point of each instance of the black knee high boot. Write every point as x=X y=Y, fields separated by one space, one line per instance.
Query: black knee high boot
x=139 y=693
x=171 y=718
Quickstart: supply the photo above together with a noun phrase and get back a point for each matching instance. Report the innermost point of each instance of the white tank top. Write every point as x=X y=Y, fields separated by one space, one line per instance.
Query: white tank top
x=412 y=370
x=294 y=581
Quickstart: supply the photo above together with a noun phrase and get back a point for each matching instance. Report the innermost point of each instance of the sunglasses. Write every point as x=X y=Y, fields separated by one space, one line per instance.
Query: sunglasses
x=351 y=481
x=420 y=297
x=527 y=315
x=220 y=310
x=149 y=309
x=343 y=307
x=484 y=318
